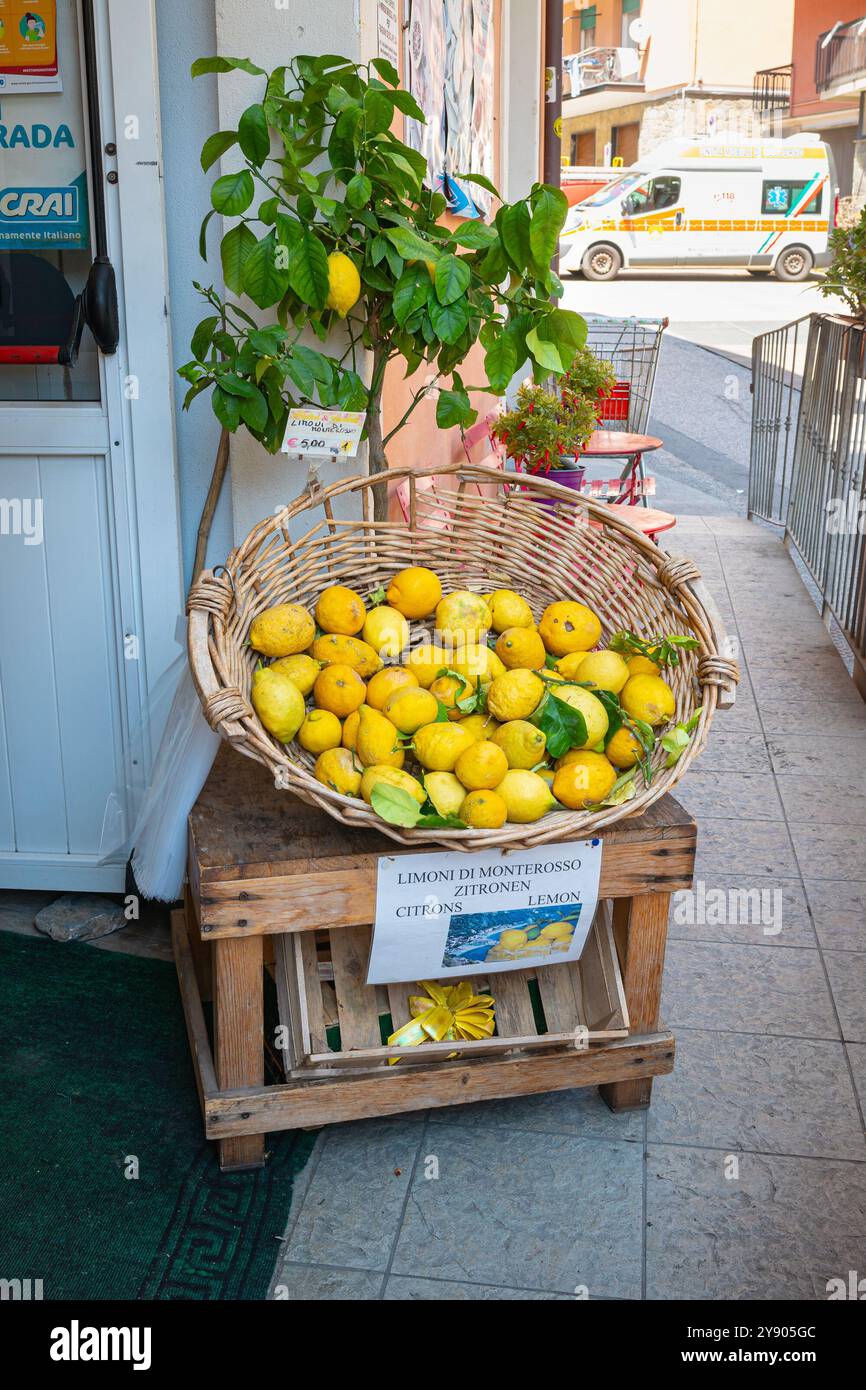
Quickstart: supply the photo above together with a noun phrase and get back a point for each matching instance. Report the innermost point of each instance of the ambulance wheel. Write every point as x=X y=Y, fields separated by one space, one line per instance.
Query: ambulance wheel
x=795 y=263
x=601 y=262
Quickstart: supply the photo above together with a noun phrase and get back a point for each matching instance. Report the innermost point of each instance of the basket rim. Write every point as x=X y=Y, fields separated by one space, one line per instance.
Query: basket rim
x=211 y=598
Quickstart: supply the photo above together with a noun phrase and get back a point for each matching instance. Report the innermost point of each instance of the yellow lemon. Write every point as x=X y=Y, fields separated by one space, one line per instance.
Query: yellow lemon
x=526 y=795
x=320 y=731
x=623 y=750
x=340 y=689
x=512 y=940
x=283 y=630
x=414 y=592
x=278 y=702
x=569 y=666
x=340 y=610
x=410 y=708
x=520 y=741
x=642 y=666
x=300 y=669
x=479 y=725
x=336 y=648
x=477 y=660
x=377 y=743
x=508 y=609
x=438 y=746
x=568 y=626
x=426 y=662
x=515 y=695
x=381 y=686
x=593 y=711
x=350 y=729
x=520 y=646
x=484 y=810
x=445 y=791
x=548 y=773
x=648 y=698
x=584 y=781
x=557 y=931
x=344 y=283
x=386 y=631
x=481 y=767
x=394 y=777
x=462 y=616
x=604 y=671
x=451 y=689
x=337 y=769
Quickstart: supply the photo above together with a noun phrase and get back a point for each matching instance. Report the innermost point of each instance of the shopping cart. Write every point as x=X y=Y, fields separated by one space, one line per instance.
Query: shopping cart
x=632 y=346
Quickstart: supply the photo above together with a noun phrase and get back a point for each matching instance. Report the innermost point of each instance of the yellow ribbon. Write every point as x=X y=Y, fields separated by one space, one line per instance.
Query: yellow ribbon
x=450 y=1011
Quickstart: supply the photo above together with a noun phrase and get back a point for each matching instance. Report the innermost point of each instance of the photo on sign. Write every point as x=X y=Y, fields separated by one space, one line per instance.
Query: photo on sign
x=529 y=936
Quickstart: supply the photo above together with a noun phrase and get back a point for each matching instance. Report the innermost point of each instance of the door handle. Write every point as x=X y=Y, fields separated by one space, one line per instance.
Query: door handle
x=678 y=220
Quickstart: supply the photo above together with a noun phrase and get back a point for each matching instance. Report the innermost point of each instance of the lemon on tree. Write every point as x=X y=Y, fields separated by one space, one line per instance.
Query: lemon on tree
x=520 y=646
x=385 y=682
x=515 y=695
x=340 y=689
x=282 y=630
x=484 y=810
x=481 y=766
x=301 y=669
x=344 y=283
x=410 y=708
x=462 y=615
x=340 y=610
x=278 y=702
x=526 y=795
x=584 y=780
x=604 y=671
x=414 y=592
x=386 y=630
x=523 y=744
x=568 y=626
x=508 y=609
x=377 y=743
x=593 y=711
x=648 y=698
x=335 y=648
x=438 y=746
x=338 y=770
x=392 y=777
x=320 y=731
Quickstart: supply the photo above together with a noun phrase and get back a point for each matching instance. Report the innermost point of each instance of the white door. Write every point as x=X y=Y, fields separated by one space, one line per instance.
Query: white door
x=653 y=220
x=90 y=584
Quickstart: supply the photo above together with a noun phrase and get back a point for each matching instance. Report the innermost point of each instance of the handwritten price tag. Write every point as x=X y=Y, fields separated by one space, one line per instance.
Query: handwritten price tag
x=322 y=432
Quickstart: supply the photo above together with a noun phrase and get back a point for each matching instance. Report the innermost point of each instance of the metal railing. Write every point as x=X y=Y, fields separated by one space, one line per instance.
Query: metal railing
x=772 y=89
x=840 y=54
x=600 y=67
x=809 y=384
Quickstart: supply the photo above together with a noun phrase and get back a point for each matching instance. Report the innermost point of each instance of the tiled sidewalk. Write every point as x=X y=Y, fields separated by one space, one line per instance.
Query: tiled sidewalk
x=747 y=1177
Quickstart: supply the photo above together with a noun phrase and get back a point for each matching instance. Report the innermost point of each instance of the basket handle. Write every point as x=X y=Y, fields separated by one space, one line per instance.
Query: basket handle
x=725 y=671
x=218 y=703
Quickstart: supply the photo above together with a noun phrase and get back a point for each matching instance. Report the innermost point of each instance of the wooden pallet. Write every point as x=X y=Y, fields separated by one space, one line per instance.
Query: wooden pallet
x=583 y=1003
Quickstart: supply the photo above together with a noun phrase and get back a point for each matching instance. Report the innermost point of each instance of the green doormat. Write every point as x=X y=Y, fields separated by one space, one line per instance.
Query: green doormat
x=98 y=1085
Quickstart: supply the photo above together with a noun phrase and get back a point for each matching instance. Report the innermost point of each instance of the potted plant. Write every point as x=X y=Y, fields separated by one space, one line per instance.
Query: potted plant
x=549 y=427
x=846 y=274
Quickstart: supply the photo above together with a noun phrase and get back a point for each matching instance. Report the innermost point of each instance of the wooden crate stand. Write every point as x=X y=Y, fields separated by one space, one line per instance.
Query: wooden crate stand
x=266 y=870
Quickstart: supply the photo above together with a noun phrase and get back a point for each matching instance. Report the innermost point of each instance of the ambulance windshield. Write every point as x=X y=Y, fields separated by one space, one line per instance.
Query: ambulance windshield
x=617 y=189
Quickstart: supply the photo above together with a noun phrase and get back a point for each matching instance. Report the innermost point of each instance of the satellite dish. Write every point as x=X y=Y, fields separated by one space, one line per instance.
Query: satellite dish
x=638 y=30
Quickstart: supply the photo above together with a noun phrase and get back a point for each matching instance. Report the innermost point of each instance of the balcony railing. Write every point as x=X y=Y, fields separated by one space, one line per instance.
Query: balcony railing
x=840 y=56
x=772 y=89
x=603 y=67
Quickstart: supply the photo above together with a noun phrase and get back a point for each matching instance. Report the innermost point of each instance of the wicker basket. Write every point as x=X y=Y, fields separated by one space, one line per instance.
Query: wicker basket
x=533 y=536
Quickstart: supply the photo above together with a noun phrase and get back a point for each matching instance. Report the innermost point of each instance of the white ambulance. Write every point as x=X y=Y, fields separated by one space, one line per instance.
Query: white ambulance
x=768 y=205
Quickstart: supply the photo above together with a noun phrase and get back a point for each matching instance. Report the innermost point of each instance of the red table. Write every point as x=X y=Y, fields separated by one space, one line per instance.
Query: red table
x=622 y=444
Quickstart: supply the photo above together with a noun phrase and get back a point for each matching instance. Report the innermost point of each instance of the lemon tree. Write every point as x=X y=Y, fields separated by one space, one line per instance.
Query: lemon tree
x=333 y=217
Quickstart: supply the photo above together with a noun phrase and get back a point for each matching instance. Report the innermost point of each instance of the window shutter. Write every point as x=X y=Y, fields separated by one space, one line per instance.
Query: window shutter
x=587 y=17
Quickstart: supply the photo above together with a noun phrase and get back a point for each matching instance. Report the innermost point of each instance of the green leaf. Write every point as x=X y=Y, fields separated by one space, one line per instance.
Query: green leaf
x=549 y=211
x=264 y=281
x=545 y=354
x=202 y=65
x=254 y=410
x=411 y=246
x=481 y=180
x=500 y=363
x=235 y=248
x=253 y=134
x=449 y=320
x=308 y=270
x=378 y=110
x=405 y=102
x=226 y=408
x=203 y=336
x=454 y=408
x=395 y=805
x=451 y=279
x=202 y=236
x=514 y=227
x=359 y=191
x=623 y=789
x=475 y=236
x=216 y=145
x=386 y=71
x=563 y=726
x=233 y=193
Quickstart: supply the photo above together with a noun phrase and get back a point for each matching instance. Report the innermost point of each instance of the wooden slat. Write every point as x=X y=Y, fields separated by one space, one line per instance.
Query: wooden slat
x=239 y=1041
x=356 y=1002
x=205 y=1075
x=288 y=1002
x=398 y=1000
x=306 y=966
x=556 y=987
x=513 y=1007
x=644 y=963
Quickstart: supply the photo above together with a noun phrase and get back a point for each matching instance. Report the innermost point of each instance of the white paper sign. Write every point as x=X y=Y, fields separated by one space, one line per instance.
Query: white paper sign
x=445 y=916
x=388 y=31
x=314 y=431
